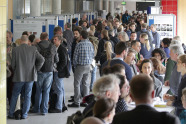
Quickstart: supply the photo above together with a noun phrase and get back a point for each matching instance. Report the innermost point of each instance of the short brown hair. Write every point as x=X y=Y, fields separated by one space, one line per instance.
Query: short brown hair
x=120 y=47
x=43 y=35
x=103 y=107
x=182 y=58
x=56 y=29
x=144 y=25
x=132 y=23
x=140 y=86
x=59 y=37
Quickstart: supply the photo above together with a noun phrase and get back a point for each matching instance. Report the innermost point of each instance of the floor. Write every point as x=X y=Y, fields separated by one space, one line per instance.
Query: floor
x=60 y=118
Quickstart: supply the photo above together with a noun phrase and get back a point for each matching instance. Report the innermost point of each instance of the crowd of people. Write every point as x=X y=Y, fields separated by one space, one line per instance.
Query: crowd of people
x=129 y=55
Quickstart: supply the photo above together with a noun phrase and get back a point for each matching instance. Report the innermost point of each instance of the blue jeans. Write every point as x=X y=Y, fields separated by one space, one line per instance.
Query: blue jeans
x=43 y=85
x=93 y=77
x=27 y=96
x=58 y=88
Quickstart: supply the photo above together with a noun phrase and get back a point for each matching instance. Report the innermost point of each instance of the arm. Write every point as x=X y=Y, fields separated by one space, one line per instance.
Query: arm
x=39 y=60
x=98 y=52
x=177 y=102
x=13 y=62
x=56 y=58
x=157 y=40
x=75 y=58
x=169 y=67
x=128 y=73
x=63 y=56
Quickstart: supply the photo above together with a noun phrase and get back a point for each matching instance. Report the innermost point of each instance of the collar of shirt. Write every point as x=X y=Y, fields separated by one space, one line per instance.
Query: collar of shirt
x=118 y=58
x=145 y=104
x=84 y=40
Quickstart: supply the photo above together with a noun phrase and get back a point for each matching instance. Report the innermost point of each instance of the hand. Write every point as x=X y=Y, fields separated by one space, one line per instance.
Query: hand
x=166 y=83
x=166 y=97
x=141 y=57
x=169 y=103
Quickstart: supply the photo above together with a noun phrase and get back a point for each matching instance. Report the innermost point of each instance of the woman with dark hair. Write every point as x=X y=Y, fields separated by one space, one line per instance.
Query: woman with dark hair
x=104 y=109
x=160 y=55
x=165 y=45
x=99 y=28
x=159 y=69
x=147 y=68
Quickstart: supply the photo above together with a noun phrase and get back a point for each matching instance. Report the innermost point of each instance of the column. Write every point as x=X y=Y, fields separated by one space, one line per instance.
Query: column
x=68 y=6
x=112 y=7
x=35 y=7
x=100 y=4
x=181 y=20
x=56 y=7
x=106 y=5
x=3 y=25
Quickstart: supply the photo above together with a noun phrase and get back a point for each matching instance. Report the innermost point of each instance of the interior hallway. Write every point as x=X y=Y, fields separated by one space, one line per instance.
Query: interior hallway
x=53 y=118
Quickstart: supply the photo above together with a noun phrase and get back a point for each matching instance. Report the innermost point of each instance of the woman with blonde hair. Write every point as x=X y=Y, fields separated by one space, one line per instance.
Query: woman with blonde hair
x=92 y=28
x=107 y=54
x=145 y=46
x=110 y=25
x=105 y=38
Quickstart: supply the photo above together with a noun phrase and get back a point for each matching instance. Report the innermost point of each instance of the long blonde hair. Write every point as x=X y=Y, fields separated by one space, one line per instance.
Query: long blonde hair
x=92 y=28
x=108 y=48
x=145 y=36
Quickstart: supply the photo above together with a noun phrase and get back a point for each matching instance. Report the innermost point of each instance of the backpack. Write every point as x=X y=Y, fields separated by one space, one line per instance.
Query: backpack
x=77 y=117
x=49 y=58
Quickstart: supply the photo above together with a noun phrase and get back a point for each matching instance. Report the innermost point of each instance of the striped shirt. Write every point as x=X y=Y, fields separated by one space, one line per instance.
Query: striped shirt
x=84 y=53
x=121 y=106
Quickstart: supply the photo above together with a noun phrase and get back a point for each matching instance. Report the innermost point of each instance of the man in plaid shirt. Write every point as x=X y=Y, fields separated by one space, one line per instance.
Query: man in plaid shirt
x=83 y=56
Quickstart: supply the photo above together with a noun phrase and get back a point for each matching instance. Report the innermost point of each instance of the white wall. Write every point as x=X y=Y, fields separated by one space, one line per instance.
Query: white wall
x=130 y=6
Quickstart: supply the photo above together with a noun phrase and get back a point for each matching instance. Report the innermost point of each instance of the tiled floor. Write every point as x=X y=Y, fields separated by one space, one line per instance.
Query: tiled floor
x=60 y=118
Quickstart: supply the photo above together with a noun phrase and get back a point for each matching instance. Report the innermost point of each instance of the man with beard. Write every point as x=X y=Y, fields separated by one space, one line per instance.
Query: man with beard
x=121 y=52
x=77 y=32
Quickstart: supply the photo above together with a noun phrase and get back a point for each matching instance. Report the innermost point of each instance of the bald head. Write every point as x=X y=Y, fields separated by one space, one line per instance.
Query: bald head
x=24 y=39
x=92 y=120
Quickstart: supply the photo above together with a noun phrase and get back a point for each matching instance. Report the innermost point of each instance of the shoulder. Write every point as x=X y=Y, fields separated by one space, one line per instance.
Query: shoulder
x=121 y=117
x=169 y=118
x=156 y=81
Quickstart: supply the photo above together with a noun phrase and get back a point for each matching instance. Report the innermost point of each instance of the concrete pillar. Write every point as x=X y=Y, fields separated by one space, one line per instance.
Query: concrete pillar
x=111 y=7
x=56 y=6
x=100 y=4
x=106 y=5
x=68 y=6
x=35 y=7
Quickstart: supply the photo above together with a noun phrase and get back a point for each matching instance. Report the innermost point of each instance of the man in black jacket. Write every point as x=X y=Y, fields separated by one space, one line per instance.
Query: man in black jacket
x=60 y=72
x=142 y=92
